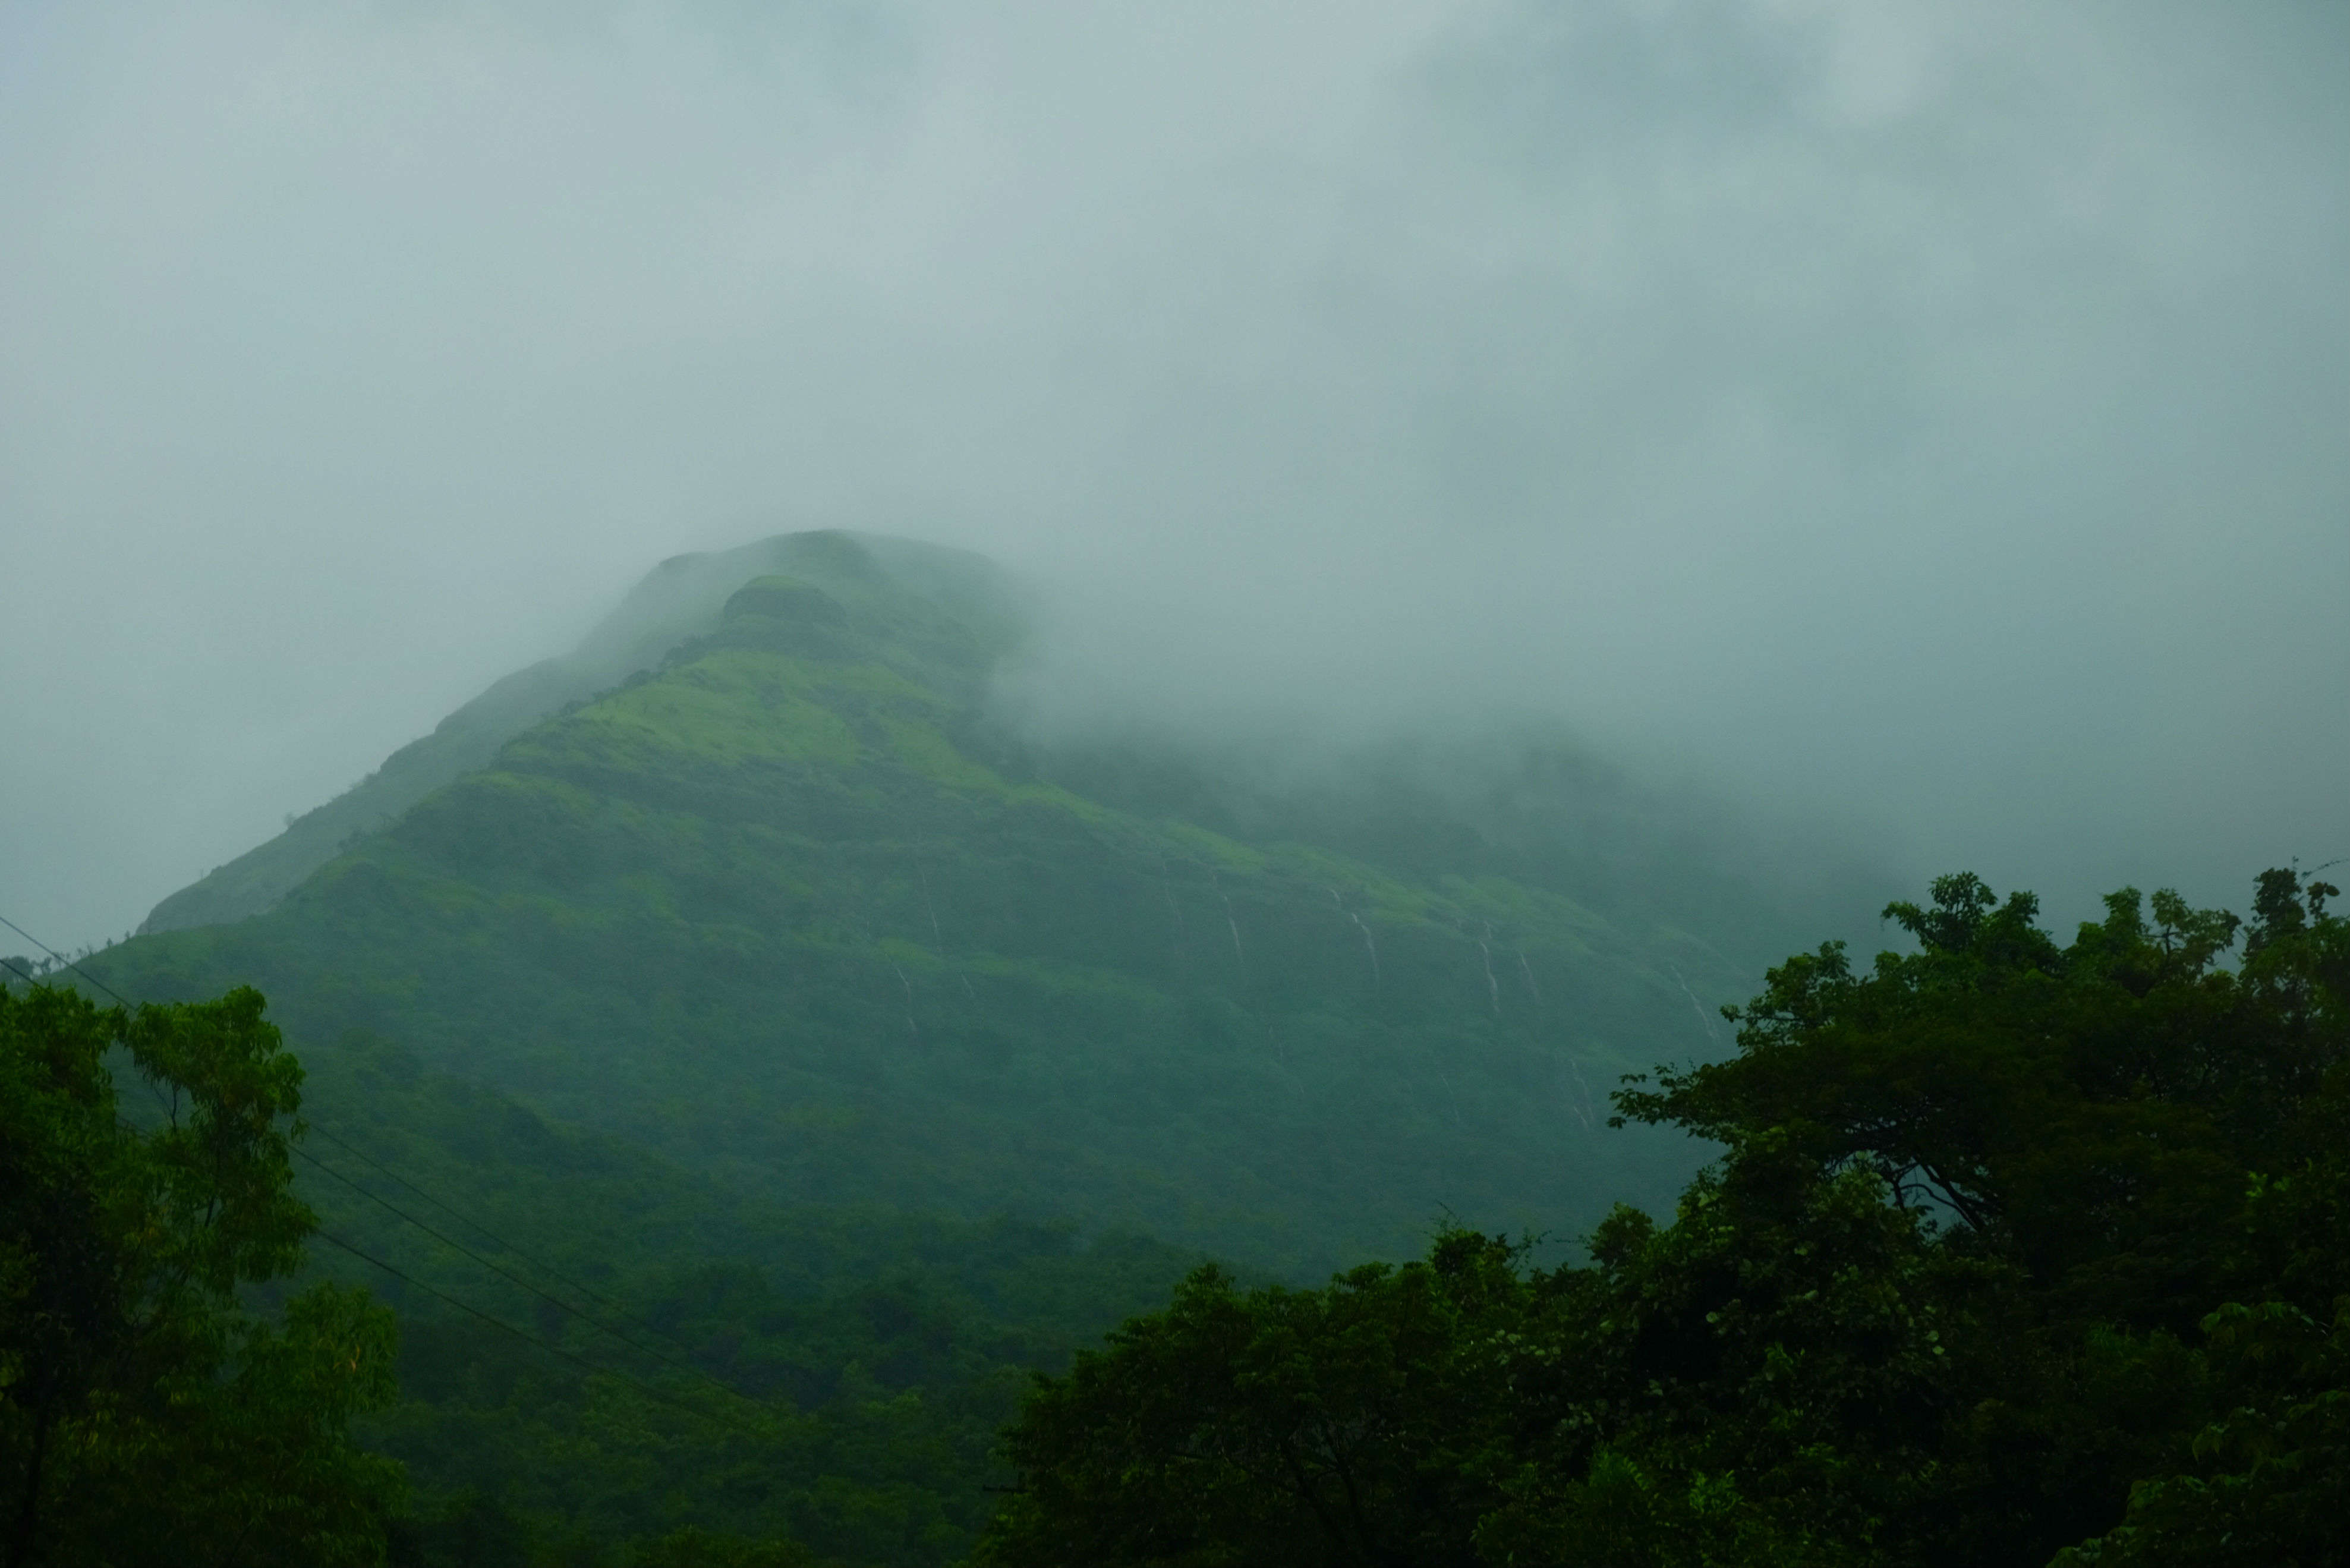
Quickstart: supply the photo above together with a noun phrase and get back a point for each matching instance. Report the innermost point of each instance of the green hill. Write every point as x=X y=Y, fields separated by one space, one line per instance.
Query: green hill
x=747 y=968
x=785 y=905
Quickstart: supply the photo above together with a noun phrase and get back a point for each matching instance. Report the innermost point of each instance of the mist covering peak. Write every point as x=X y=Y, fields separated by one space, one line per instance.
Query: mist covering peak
x=896 y=585
x=769 y=872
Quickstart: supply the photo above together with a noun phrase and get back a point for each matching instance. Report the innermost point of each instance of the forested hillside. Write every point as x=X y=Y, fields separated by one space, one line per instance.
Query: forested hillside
x=2016 y=1252
x=742 y=1057
x=787 y=904
x=2019 y=1252
x=835 y=1375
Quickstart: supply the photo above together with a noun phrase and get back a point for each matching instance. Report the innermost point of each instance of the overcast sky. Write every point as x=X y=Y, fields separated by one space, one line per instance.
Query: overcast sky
x=1932 y=419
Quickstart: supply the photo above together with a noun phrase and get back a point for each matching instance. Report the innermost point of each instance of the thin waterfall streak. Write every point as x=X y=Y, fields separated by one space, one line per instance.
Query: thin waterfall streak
x=1493 y=986
x=1529 y=971
x=1702 y=1017
x=909 y=987
x=1232 y=920
x=1583 y=1111
x=1368 y=946
x=931 y=909
x=1452 y=1095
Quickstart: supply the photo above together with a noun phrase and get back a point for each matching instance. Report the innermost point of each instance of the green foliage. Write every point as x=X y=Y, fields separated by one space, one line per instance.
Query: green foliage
x=2269 y=1476
x=1338 y=1426
x=876 y=1352
x=143 y=1417
x=2088 y=1111
x=692 y=1547
x=1979 y=1279
x=1765 y=1380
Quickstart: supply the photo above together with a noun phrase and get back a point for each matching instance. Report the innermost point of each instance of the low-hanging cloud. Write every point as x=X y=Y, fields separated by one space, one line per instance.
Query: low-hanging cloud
x=1930 y=417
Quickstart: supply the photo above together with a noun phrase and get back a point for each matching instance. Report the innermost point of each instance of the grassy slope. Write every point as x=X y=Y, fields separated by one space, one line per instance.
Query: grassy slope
x=784 y=911
x=679 y=597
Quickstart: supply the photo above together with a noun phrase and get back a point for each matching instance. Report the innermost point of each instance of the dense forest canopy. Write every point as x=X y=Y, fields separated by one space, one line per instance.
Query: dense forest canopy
x=2014 y=1250
x=2015 y=1253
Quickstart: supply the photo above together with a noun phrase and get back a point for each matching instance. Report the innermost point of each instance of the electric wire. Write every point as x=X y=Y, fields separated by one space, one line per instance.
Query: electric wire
x=61 y=958
x=161 y=1104
x=557 y=1303
x=580 y=1361
x=558 y=1277
x=542 y=1265
x=509 y=1275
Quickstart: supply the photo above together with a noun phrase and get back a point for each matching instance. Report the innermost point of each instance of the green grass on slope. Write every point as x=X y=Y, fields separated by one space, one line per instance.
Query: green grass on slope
x=683 y=598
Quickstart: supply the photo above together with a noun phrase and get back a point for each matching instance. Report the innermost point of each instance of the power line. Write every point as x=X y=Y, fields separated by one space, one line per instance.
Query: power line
x=443 y=1296
x=553 y=1301
x=330 y=1137
x=61 y=958
x=496 y=1323
x=517 y=1279
x=539 y=1264
x=33 y=979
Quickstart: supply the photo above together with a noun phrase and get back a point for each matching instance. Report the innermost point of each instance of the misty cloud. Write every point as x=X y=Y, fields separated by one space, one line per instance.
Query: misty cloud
x=1929 y=418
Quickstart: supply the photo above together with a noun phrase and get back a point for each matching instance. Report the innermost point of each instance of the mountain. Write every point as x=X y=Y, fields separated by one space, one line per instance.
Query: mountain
x=800 y=1051
x=757 y=881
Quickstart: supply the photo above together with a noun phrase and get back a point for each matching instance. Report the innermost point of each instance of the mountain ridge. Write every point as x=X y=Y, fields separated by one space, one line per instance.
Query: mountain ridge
x=682 y=595
x=788 y=902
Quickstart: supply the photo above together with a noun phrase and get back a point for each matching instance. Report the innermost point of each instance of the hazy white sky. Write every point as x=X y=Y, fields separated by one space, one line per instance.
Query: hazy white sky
x=1932 y=418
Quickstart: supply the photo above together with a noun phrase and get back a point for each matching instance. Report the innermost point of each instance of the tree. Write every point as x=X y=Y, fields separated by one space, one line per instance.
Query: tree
x=2264 y=1480
x=1347 y=1425
x=2087 y=1111
x=1768 y=1380
x=2087 y=1114
x=144 y=1415
x=2011 y=1247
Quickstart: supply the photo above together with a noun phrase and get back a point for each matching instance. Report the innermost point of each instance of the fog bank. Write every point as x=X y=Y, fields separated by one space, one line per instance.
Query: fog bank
x=1926 y=420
